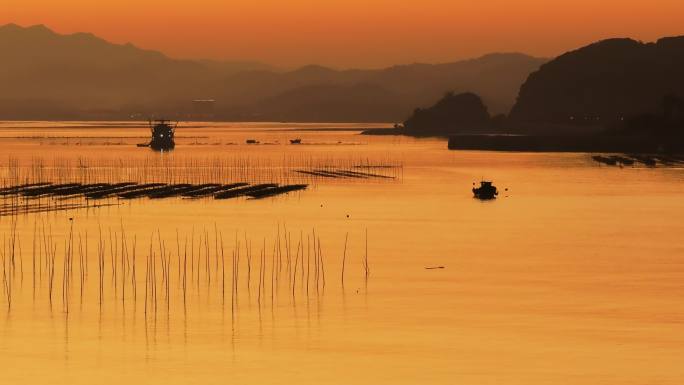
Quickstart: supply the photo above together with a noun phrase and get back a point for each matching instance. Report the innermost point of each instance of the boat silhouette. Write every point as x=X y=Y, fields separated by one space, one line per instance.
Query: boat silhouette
x=486 y=191
x=162 y=135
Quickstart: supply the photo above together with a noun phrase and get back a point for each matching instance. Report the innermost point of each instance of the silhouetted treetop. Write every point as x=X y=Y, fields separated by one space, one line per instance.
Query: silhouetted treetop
x=451 y=114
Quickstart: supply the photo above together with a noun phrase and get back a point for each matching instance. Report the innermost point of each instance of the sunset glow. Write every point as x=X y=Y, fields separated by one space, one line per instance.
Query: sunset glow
x=325 y=192
x=351 y=33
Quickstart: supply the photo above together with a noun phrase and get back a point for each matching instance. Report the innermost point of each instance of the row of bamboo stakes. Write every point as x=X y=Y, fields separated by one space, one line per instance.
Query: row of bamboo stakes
x=187 y=169
x=281 y=269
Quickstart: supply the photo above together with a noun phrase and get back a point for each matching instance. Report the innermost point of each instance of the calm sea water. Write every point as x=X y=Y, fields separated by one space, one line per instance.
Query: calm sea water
x=574 y=275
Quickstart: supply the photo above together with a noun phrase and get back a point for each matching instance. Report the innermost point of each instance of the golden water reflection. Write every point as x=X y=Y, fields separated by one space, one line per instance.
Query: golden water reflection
x=574 y=275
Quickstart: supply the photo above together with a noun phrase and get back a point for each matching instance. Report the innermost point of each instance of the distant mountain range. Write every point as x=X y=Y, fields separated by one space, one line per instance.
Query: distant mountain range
x=609 y=81
x=615 y=87
x=45 y=75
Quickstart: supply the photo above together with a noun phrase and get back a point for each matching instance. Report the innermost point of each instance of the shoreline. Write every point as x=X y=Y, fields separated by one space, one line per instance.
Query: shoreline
x=394 y=131
x=567 y=143
x=589 y=143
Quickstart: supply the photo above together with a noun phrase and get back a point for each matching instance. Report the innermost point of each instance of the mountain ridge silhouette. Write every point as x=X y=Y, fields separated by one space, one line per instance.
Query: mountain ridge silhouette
x=607 y=81
x=81 y=76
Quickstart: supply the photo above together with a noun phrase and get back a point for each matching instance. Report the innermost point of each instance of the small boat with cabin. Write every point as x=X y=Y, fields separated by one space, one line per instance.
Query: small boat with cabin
x=162 y=135
x=486 y=191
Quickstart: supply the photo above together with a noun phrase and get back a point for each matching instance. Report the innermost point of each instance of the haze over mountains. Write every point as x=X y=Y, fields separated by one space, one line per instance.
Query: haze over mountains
x=45 y=75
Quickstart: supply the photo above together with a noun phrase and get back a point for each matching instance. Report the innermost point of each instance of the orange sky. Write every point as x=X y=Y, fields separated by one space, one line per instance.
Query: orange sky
x=352 y=33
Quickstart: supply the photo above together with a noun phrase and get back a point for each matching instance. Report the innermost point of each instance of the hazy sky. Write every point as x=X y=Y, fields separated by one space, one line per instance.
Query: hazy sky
x=352 y=33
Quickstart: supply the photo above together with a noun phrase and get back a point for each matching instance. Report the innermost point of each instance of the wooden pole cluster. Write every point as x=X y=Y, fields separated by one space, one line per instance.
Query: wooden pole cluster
x=192 y=268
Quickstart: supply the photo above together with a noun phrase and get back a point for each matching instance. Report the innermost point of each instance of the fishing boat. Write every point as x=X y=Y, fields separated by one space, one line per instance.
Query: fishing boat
x=162 y=135
x=486 y=191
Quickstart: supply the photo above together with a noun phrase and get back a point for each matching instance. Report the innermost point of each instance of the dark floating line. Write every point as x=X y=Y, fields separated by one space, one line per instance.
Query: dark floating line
x=318 y=173
x=17 y=189
x=272 y=191
x=108 y=192
x=368 y=174
x=171 y=192
x=151 y=191
x=632 y=159
x=343 y=174
x=79 y=189
x=234 y=193
x=33 y=193
x=212 y=190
